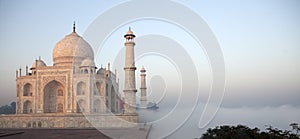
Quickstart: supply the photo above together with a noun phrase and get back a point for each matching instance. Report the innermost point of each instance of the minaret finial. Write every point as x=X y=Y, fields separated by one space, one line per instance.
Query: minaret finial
x=74 y=27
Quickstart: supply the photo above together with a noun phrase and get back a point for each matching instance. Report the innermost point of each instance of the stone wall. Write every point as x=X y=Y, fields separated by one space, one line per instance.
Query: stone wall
x=68 y=121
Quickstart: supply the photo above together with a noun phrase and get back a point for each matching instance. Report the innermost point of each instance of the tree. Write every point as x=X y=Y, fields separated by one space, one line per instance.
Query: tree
x=295 y=127
x=13 y=105
x=8 y=109
x=244 y=132
x=279 y=134
x=231 y=132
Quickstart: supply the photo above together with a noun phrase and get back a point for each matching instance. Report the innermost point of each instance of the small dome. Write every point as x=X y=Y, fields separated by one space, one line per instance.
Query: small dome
x=38 y=63
x=101 y=71
x=87 y=63
x=70 y=47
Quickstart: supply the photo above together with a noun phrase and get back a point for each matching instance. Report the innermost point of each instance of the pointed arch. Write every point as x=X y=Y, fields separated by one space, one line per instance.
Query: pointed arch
x=27 y=89
x=85 y=71
x=99 y=88
x=39 y=124
x=27 y=107
x=81 y=106
x=81 y=88
x=50 y=96
x=60 y=92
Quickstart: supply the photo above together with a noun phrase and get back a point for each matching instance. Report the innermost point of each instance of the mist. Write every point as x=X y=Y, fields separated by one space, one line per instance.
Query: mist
x=260 y=117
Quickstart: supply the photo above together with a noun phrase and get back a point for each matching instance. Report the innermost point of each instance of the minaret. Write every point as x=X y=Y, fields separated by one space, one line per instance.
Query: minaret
x=129 y=89
x=143 y=88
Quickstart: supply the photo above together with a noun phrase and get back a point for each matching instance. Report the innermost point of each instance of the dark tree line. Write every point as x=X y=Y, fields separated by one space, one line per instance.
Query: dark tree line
x=8 y=109
x=244 y=132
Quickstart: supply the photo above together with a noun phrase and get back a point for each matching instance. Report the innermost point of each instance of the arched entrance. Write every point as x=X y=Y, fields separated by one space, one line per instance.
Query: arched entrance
x=51 y=99
x=27 y=107
x=98 y=85
x=80 y=106
x=81 y=88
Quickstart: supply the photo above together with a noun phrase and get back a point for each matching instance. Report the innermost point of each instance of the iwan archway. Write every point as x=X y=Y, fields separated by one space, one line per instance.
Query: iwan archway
x=54 y=97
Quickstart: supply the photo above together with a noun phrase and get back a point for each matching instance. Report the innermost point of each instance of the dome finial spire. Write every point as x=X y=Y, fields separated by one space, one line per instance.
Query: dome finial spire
x=74 y=27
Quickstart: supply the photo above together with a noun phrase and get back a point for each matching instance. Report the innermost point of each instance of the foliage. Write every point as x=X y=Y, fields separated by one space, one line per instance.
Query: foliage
x=295 y=127
x=244 y=132
x=8 y=109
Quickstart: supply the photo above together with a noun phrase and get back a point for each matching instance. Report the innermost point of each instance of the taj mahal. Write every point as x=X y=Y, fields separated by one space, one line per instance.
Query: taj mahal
x=74 y=92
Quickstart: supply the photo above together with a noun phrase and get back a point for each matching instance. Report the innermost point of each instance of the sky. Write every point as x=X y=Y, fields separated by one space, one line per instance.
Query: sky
x=259 y=41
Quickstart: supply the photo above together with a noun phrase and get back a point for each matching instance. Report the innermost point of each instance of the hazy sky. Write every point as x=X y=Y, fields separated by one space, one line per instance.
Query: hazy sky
x=259 y=40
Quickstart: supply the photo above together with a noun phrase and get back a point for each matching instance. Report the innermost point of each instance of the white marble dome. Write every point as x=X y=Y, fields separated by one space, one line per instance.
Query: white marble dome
x=87 y=63
x=71 y=47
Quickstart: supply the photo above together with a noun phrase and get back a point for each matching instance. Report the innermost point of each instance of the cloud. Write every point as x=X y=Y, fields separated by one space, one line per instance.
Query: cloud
x=279 y=117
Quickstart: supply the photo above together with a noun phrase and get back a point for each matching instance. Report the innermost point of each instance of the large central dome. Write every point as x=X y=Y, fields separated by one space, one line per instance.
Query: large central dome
x=71 y=49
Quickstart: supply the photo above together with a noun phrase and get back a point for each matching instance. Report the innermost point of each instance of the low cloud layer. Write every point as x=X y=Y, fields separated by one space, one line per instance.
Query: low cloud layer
x=279 y=117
